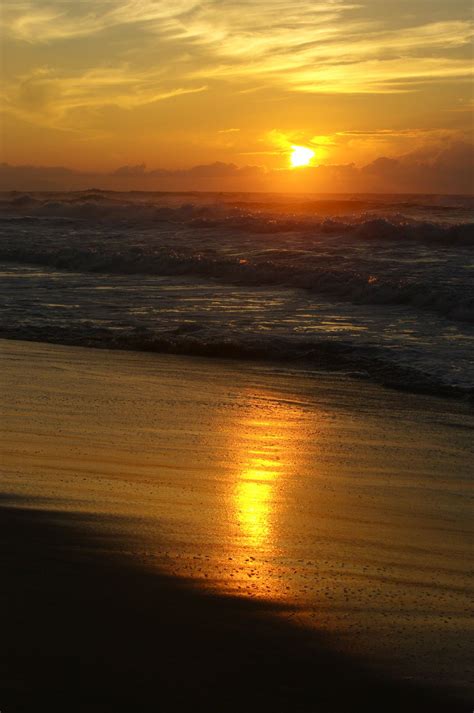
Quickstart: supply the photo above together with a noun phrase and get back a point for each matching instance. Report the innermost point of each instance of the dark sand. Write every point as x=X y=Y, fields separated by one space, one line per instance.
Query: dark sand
x=86 y=629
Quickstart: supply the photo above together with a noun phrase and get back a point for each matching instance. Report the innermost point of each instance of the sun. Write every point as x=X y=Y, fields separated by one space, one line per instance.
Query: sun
x=301 y=156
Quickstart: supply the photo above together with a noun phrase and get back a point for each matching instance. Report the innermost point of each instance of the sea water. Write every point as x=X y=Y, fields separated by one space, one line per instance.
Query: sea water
x=379 y=287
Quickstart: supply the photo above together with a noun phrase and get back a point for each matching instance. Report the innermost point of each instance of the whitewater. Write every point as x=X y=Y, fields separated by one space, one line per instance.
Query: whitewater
x=379 y=287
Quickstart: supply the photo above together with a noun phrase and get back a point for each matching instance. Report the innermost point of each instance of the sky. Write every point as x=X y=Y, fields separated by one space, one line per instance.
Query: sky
x=196 y=94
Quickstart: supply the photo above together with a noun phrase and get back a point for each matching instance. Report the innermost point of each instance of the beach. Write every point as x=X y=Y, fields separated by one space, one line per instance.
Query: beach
x=236 y=357
x=182 y=532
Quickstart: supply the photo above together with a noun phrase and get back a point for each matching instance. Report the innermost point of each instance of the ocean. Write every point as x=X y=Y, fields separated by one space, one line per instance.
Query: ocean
x=375 y=286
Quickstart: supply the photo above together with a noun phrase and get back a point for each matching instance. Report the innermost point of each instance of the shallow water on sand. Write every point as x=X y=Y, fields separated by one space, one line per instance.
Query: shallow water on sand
x=351 y=505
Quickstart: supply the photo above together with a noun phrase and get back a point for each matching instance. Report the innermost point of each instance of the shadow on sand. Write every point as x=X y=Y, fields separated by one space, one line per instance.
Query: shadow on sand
x=84 y=628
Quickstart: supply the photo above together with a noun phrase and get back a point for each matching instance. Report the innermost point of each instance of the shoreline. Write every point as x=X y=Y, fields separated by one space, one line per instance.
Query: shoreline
x=330 y=360
x=338 y=505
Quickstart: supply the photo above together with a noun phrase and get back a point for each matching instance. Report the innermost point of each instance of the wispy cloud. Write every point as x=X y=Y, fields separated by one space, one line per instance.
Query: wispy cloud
x=211 y=20
x=62 y=19
x=306 y=46
x=48 y=95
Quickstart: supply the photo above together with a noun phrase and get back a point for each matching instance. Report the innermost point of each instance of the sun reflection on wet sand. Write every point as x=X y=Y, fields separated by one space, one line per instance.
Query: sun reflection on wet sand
x=266 y=457
x=253 y=500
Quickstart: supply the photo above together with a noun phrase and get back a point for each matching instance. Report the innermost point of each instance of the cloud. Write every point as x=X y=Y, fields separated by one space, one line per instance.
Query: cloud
x=207 y=22
x=60 y=19
x=131 y=171
x=59 y=178
x=444 y=168
x=49 y=97
x=219 y=169
x=304 y=46
x=39 y=178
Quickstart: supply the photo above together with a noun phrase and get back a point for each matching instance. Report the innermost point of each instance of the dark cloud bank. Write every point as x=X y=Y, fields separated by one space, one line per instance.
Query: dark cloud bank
x=449 y=169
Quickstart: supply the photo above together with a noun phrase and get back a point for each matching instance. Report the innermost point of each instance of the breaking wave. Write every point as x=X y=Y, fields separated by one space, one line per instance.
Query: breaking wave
x=300 y=269
x=93 y=207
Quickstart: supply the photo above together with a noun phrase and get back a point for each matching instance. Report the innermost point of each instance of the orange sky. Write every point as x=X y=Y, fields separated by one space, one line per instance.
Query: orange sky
x=100 y=84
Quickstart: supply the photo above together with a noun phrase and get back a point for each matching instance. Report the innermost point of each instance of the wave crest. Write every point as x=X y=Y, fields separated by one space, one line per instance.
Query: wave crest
x=104 y=208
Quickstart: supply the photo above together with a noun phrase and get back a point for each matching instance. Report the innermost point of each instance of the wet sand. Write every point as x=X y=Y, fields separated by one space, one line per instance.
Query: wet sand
x=182 y=534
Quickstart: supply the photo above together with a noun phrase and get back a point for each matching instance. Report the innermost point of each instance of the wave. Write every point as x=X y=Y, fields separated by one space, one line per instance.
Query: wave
x=272 y=267
x=356 y=361
x=97 y=207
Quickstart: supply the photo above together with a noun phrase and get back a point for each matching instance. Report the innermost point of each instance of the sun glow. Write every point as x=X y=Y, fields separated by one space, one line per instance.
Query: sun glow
x=301 y=156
